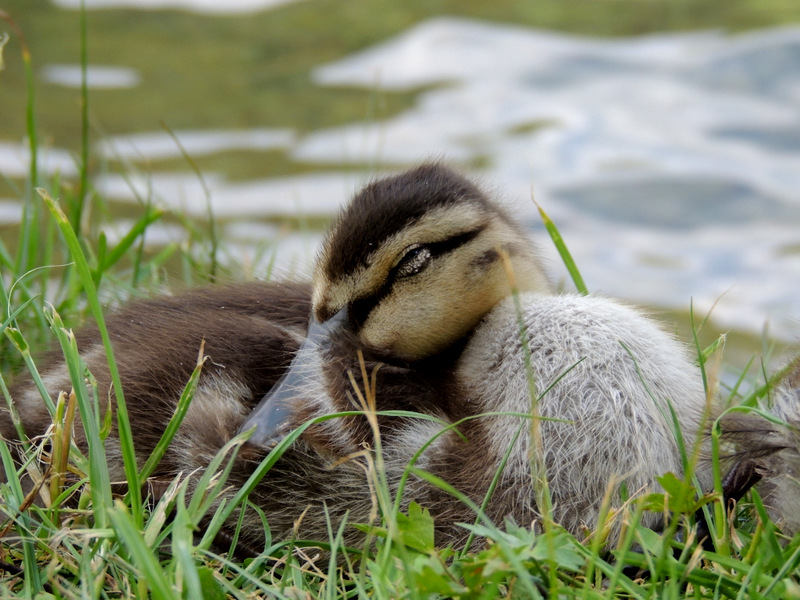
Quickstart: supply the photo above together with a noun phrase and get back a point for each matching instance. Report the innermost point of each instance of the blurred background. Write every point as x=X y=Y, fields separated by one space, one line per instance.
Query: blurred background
x=662 y=136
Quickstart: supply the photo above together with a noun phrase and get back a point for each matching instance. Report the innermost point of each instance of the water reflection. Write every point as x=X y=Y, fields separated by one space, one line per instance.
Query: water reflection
x=671 y=163
x=15 y=161
x=314 y=194
x=97 y=77
x=161 y=146
x=202 y=6
x=682 y=147
x=674 y=202
x=10 y=212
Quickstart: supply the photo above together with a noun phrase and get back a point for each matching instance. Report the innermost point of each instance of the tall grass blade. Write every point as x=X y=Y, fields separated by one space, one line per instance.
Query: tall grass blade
x=186 y=575
x=14 y=499
x=83 y=184
x=175 y=421
x=563 y=251
x=123 y=422
x=111 y=258
x=23 y=348
x=213 y=233
x=99 y=478
x=27 y=244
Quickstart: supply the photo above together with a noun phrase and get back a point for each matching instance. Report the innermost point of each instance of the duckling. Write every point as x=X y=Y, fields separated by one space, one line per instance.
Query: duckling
x=443 y=295
x=767 y=450
x=436 y=259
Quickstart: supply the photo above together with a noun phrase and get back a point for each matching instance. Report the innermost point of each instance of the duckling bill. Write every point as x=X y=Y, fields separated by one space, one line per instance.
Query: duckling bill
x=413 y=276
x=272 y=417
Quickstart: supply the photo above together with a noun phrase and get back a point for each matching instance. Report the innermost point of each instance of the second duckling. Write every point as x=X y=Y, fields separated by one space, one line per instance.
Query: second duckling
x=767 y=449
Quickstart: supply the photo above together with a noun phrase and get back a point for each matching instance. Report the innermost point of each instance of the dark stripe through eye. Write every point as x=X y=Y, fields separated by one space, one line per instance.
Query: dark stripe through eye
x=445 y=246
x=360 y=309
x=415 y=261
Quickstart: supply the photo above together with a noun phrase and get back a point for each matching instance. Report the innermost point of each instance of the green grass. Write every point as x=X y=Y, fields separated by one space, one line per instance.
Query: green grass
x=98 y=544
x=109 y=548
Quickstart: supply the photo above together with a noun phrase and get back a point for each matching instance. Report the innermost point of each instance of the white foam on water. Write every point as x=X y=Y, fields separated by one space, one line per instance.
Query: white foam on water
x=15 y=161
x=313 y=194
x=161 y=145
x=10 y=211
x=201 y=6
x=97 y=77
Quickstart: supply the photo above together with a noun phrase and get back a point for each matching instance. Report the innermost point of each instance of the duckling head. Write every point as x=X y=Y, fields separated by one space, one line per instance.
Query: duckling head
x=416 y=261
x=411 y=266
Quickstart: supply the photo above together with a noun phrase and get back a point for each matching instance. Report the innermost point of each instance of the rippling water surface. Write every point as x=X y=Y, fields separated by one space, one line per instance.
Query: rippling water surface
x=671 y=163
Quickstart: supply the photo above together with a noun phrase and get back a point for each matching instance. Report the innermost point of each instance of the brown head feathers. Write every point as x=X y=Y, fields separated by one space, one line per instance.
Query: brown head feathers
x=391 y=204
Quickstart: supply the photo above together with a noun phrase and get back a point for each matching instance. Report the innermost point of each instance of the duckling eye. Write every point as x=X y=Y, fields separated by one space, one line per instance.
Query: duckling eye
x=414 y=261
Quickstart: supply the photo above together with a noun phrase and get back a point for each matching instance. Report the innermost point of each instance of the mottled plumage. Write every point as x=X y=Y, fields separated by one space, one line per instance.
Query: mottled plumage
x=767 y=451
x=420 y=262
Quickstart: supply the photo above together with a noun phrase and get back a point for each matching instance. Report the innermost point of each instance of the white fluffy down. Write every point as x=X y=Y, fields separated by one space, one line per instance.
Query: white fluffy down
x=607 y=373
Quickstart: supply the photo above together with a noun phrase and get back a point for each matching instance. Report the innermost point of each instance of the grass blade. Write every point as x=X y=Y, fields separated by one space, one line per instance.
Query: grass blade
x=123 y=423
x=563 y=251
x=99 y=478
x=175 y=421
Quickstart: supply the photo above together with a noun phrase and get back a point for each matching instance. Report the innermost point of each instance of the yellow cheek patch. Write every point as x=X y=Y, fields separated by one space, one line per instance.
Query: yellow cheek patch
x=440 y=224
x=329 y=296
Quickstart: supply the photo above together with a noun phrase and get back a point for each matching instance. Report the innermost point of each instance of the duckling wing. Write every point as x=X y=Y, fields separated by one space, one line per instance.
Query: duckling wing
x=250 y=332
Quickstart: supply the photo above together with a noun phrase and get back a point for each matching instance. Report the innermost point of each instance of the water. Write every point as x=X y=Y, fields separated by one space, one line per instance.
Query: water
x=670 y=163
x=15 y=161
x=202 y=6
x=162 y=145
x=97 y=77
